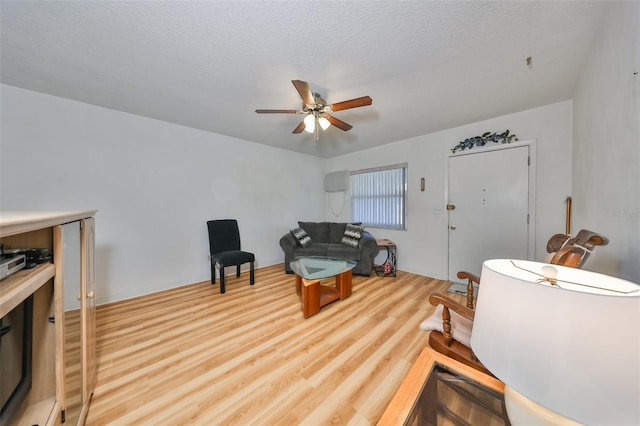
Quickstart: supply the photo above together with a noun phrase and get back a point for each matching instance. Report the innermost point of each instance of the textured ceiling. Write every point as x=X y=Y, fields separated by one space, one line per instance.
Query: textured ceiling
x=209 y=64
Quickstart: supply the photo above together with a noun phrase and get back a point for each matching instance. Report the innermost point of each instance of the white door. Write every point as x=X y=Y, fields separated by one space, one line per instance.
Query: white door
x=488 y=208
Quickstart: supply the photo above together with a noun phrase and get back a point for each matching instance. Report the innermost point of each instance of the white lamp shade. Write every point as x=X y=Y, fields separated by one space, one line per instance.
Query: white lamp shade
x=574 y=350
x=309 y=123
x=324 y=123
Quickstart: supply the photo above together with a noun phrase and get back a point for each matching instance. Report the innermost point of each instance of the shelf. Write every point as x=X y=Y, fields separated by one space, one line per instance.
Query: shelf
x=39 y=413
x=328 y=295
x=18 y=222
x=70 y=237
x=17 y=287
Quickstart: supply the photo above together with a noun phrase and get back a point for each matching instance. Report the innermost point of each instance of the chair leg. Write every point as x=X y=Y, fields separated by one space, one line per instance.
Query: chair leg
x=237 y=271
x=213 y=273
x=252 y=279
x=222 y=289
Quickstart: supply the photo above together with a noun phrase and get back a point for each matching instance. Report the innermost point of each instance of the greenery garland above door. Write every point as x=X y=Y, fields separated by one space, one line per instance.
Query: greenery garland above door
x=486 y=137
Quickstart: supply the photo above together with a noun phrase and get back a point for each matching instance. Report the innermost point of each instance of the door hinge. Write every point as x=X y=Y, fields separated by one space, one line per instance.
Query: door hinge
x=63 y=416
x=527 y=218
x=528 y=160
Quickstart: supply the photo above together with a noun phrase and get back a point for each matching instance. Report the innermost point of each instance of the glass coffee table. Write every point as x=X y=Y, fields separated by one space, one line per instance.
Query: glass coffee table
x=310 y=271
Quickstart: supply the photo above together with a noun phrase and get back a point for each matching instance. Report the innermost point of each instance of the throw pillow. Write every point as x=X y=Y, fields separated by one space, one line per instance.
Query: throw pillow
x=302 y=238
x=352 y=235
x=460 y=326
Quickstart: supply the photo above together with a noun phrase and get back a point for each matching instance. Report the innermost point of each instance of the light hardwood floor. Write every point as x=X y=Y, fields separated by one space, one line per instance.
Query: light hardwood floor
x=193 y=356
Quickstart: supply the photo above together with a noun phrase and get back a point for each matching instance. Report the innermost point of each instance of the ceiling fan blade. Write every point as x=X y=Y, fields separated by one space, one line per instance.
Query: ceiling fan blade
x=277 y=111
x=300 y=128
x=352 y=103
x=305 y=92
x=338 y=123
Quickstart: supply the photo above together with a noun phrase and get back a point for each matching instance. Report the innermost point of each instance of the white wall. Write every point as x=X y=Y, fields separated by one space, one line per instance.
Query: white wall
x=606 y=156
x=154 y=184
x=422 y=248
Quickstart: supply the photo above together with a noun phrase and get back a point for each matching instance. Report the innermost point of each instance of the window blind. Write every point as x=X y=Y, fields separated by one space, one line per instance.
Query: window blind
x=378 y=196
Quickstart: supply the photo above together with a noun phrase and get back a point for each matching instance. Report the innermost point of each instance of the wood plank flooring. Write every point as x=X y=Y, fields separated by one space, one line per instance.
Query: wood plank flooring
x=73 y=382
x=248 y=357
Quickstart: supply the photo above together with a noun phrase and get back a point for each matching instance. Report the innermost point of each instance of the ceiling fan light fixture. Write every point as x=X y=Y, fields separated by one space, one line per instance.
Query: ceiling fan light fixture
x=318 y=112
x=324 y=123
x=309 y=123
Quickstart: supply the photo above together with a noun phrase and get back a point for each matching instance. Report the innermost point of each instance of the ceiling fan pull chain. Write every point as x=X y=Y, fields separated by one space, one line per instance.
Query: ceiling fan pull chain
x=316 y=131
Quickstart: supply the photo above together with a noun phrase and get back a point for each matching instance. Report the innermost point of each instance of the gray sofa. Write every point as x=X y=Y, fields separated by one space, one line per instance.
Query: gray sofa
x=326 y=240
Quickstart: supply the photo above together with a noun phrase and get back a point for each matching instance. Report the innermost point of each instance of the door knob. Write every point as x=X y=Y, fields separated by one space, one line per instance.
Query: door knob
x=90 y=295
x=452 y=227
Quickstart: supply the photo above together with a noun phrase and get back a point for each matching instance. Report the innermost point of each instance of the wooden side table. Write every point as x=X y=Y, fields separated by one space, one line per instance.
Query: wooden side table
x=440 y=390
x=388 y=267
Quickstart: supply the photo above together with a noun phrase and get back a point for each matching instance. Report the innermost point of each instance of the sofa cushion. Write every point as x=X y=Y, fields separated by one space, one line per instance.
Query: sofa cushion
x=342 y=251
x=318 y=231
x=315 y=249
x=336 y=231
x=302 y=238
x=352 y=235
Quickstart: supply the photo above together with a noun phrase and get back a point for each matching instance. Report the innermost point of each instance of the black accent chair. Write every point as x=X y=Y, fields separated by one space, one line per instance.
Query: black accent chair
x=224 y=247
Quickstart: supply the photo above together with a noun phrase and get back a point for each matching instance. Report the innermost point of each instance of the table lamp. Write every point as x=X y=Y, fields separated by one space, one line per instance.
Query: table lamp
x=564 y=341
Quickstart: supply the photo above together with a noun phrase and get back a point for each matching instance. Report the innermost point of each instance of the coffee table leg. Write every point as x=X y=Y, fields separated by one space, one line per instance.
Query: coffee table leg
x=310 y=297
x=298 y=284
x=343 y=284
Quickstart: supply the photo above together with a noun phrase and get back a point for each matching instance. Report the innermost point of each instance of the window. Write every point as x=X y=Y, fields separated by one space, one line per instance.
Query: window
x=379 y=196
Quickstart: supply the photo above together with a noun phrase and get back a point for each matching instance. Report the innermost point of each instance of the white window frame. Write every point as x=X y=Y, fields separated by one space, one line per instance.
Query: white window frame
x=376 y=206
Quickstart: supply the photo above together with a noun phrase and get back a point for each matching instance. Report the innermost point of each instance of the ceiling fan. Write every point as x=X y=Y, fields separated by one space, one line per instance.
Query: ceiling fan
x=318 y=112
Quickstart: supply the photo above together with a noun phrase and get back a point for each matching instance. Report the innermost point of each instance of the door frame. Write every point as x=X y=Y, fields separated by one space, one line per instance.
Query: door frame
x=531 y=228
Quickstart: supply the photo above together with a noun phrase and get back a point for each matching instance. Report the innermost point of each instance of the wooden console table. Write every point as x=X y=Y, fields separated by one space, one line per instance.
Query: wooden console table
x=58 y=394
